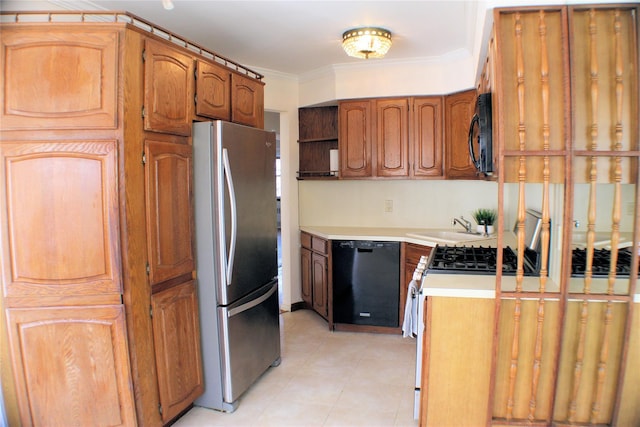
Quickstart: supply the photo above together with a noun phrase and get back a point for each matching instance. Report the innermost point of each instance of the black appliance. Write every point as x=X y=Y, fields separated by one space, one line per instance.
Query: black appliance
x=600 y=262
x=366 y=282
x=480 y=131
x=480 y=260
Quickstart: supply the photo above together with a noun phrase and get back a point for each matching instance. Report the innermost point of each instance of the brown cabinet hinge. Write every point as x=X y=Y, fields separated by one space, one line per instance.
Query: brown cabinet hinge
x=144 y=55
x=144 y=162
x=144 y=112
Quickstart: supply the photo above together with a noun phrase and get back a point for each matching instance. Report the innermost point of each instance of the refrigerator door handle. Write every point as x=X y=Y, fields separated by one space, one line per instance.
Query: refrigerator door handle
x=251 y=304
x=234 y=222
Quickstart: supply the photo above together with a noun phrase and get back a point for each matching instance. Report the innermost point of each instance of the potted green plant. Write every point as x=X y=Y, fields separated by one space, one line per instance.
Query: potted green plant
x=485 y=217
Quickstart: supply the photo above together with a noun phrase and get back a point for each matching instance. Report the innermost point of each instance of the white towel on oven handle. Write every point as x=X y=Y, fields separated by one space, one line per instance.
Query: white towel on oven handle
x=410 y=324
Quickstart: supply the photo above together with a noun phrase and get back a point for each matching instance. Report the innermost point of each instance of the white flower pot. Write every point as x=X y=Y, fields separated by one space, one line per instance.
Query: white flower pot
x=480 y=229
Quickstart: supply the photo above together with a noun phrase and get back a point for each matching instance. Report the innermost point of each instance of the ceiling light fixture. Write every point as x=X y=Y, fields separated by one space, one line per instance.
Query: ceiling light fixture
x=167 y=4
x=366 y=42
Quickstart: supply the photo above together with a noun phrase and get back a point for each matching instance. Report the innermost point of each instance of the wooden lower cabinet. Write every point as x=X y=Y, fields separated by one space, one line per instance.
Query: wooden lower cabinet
x=83 y=351
x=320 y=284
x=306 y=273
x=456 y=363
x=176 y=332
x=314 y=258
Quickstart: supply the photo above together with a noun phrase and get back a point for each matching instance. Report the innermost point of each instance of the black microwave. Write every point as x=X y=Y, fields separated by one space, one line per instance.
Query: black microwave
x=480 y=142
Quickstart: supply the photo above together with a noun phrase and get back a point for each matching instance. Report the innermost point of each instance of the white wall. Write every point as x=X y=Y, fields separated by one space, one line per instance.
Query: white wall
x=416 y=203
x=281 y=95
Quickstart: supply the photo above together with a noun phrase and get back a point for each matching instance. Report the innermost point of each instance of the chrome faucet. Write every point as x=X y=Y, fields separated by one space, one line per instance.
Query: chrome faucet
x=463 y=222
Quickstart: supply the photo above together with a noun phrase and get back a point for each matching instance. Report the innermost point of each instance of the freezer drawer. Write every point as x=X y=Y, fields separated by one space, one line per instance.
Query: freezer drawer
x=250 y=331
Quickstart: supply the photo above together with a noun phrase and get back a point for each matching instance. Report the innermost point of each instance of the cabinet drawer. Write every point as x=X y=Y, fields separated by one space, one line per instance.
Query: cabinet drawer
x=305 y=240
x=413 y=252
x=319 y=245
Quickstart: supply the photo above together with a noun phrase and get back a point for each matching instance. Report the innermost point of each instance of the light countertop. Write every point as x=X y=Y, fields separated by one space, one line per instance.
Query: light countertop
x=452 y=285
x=391 y=234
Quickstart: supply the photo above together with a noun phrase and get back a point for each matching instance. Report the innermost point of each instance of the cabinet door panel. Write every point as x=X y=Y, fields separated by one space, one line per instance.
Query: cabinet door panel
x=306 y=275
x=168 y=89
x=320 y=284
x=213 y=91
x=169 y=210
x=426 y=130
x=392 y=141
x=247 y=101
x=176 y=333
x=459 y=109
x=54 y=79
x=61 y=232
x=355 y=139
x=71 y=366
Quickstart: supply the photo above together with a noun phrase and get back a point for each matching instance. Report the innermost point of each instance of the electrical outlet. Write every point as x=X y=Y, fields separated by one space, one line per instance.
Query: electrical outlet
x=388 y=206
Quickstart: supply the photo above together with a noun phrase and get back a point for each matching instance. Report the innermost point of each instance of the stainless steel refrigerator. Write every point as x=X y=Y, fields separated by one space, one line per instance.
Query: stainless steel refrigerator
x=236 y=262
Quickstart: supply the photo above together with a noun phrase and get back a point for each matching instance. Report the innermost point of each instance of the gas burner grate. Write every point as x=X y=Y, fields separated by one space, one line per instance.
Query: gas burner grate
x=601 y=262
x=474 y=260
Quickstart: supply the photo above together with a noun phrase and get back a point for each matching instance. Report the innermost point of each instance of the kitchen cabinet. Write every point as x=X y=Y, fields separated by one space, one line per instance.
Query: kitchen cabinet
x=412 y=254
x=247 y=101
x=318 y=134
x=168 y=89
x=315 y=272
x=169 y=201
x=213 y=90
x=97 y=221
x=391 y=138
x=306 y=276
x=456 y=361
x=82 y=353
x=458 y=112
x=355 y=144
x=426 y=143
x=176 y=332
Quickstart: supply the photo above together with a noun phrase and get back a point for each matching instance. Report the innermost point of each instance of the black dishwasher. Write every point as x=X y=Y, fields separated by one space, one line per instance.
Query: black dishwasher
x=366 y=282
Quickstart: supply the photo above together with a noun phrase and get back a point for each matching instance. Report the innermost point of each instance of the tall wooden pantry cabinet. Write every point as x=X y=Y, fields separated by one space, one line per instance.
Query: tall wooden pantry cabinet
x=99 y=306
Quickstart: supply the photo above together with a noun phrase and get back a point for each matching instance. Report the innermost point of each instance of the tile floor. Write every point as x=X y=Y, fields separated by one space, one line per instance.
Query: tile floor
x=326 y=379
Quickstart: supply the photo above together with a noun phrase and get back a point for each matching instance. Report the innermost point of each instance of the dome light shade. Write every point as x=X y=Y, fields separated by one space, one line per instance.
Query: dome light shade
x=367 y=42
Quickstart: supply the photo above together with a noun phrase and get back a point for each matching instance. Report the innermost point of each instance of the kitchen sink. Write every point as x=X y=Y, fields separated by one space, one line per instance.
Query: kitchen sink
x=450 y=237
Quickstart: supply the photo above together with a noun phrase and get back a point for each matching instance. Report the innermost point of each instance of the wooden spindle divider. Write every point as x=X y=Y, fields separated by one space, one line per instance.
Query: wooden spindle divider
x=591 y=217
x=522 y=175
x=544 y=238
x=615 y=225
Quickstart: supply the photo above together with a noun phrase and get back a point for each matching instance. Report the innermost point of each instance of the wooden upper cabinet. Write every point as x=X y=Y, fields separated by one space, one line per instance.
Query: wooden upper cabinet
x=176 y=332
x=61 y=229
x=392 y=137
x=355 y=145
x=65 y=360
x=247 y=101
x=168 y=190
x=168 y=89
x=458 y=112
x=426 y=137
x=58 y=79
x=213 y=91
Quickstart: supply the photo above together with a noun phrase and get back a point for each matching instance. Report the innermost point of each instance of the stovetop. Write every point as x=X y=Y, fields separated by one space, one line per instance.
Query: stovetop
x=478 y=260
x=600 y=264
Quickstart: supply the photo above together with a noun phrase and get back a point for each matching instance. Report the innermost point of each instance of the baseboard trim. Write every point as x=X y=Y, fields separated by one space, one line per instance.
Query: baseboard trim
x=300 y=305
